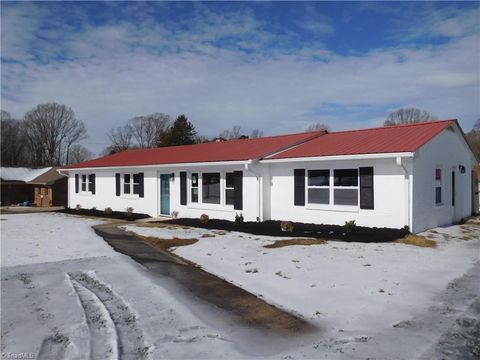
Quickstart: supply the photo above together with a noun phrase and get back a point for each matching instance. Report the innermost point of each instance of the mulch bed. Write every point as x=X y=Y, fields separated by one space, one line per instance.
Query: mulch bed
x=120 y=215
x=272 y=228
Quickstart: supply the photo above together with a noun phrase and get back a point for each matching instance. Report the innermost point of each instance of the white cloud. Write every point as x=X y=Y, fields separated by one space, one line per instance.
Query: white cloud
x=120 y=70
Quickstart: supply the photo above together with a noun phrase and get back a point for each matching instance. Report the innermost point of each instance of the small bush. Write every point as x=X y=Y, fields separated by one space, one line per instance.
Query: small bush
x=350 y=226
x=204 y=218
x=174 y=214
x=286 y=226
x=129 y=210
x=108 y=210
x=78 y=207
x=238 y=218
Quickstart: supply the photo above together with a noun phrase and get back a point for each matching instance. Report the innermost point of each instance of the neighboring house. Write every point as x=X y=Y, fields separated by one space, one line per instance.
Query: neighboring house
x=41 y=187
x=417 y=175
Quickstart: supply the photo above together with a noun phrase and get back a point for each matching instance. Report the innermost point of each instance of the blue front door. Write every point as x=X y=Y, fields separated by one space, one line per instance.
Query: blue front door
x=165 y=194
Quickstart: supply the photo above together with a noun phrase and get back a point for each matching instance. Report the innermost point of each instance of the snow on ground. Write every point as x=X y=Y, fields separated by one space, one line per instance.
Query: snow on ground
x=67 y=294
x=351 y=291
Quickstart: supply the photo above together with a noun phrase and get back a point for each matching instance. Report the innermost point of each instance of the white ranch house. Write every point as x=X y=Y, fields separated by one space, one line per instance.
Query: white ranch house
x=418 y=175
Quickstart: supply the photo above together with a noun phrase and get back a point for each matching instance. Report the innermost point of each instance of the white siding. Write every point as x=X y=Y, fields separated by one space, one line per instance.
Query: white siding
x=390 y=195
x=448 y=151
x=105 y=195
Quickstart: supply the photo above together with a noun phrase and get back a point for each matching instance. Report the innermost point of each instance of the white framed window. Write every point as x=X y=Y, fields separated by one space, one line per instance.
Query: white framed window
x=318 y=186
x=229 y=188
x=131 y=184
x=211 y=188
x=438 y=185
x=84 y=183
x=345 y=187
x=194 y=187
x=87 y=183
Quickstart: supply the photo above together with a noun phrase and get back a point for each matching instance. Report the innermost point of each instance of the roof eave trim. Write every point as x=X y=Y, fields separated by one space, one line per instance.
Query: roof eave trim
x=341 y=157
x=174 y=165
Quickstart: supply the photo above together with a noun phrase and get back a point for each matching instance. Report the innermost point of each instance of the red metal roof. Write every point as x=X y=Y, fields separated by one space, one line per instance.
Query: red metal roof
x=388 y=139
x=232 y=150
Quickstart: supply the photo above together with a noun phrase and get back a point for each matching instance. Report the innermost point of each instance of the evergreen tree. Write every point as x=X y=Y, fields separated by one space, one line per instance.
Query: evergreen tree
x=182 y=132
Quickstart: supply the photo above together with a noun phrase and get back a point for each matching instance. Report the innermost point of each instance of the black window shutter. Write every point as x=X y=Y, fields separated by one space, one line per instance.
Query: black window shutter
x=183 y=188
x=91 y=180
x=76 y=183
x=299 y=191
x=140 y=183
x=238 y=190
x=117 y=184
x=366 y=188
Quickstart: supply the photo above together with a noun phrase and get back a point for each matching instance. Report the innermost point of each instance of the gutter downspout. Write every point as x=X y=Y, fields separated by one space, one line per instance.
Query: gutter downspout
x=407 y=200
x=259 y=190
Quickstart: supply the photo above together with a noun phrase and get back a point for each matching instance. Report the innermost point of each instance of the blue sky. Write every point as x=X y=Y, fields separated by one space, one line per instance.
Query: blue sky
x=276 y=66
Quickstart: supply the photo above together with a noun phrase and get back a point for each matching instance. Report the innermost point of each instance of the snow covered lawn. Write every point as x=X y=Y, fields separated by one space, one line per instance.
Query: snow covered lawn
x=66 y=294
x=349 y=290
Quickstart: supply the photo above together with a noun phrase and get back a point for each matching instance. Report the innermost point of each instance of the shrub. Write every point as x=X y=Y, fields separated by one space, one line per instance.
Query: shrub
x=350 y=226
x=286 y=226
x=174 y=214
x=204 y=218
x=238 y=218
x=78 y=207
x=129 y=211
x=108 y=210
x=93 y=208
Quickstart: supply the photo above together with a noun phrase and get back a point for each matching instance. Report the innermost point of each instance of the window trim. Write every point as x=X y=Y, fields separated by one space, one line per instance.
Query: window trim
x=87 y=182
x=129 y=195
x=308 y=187
x=438 y=167
x=331 y=206
x=222 y=206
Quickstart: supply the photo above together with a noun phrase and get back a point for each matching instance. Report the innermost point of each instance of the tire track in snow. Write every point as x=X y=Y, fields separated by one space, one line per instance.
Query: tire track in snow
x=103 y=335
x=130 y=343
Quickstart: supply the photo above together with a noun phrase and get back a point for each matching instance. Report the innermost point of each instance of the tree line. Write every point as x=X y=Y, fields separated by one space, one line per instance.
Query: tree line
x=51 y=134
x=48 y=135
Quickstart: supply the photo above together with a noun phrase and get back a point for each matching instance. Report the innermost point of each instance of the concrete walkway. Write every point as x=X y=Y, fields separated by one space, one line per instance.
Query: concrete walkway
x=242 y=305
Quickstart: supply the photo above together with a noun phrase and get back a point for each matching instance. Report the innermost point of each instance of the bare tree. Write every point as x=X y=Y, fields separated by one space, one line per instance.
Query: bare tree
x=318 y=127
x=473 y=138
x=51 y=129
x=408 y=116
x=147 y=130
x=120 y=139
x=79 y=153
x=200 y=139
x=256 y=133
x=235 y=133
x=12 y=141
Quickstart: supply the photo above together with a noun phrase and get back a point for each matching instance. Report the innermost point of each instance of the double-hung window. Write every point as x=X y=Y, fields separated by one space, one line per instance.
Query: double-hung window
x=229 y=188
x=211 y=188
x=194 y=188
x=318 y=187
x=131 y=184
x=345 y=187
x=438 y=186
x=84 y=183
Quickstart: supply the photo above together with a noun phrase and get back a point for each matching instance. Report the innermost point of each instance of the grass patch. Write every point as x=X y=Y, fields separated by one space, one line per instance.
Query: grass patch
x=163 y=244
x=290 y=242
x=161 y=224
x=416 y=240
x=468 y=236
x=206 y=235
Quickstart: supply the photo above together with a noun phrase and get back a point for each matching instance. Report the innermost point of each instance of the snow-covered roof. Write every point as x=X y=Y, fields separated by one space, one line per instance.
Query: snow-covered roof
x=21 y=173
